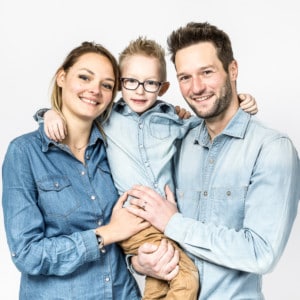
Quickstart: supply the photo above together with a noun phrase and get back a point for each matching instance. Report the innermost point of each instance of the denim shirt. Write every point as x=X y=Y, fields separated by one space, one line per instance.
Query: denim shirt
x=140 y=148
x=52 y=203
x=238 y=199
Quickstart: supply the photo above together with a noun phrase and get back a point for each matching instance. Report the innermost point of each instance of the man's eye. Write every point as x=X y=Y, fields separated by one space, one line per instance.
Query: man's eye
x=183 y=78
x=207 y=72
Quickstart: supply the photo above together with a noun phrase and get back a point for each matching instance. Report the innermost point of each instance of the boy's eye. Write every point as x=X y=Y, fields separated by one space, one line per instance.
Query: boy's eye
x=152 y=82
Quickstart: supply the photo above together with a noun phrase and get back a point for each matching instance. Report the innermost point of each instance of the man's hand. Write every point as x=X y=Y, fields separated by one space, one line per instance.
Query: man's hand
x=149 y=205
x=157 y=261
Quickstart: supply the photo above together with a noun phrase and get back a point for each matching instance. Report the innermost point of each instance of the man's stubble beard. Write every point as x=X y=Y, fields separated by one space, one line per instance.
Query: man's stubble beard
x=220 y=104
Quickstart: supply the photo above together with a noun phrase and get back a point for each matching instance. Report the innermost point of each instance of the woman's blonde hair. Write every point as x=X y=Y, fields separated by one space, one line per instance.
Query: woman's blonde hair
x=70 y=60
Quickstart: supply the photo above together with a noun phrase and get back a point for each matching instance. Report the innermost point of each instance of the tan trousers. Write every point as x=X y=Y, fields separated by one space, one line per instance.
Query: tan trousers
x=185 y=285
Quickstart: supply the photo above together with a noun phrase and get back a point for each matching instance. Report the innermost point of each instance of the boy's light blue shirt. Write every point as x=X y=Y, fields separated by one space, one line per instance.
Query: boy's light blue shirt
x=140 y=148
x=238 y=199
x=52 y=203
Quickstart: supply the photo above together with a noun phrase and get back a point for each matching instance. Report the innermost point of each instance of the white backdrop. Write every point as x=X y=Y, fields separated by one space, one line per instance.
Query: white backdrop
x=36 y=35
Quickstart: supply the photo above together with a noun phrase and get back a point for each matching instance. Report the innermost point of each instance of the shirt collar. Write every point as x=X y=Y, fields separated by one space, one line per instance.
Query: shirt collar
x=235 y=128
x=48 y=143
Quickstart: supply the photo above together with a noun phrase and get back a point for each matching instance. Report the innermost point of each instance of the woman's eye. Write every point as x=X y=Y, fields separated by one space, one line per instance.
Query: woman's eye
x=107 y=86
x=84 y=77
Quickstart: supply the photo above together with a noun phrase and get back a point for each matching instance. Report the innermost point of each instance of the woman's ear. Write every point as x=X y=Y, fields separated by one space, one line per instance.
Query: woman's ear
x=60 y=78
x=165 y=86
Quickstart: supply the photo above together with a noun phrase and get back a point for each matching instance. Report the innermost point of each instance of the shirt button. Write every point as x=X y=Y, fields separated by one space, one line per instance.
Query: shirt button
x=141 y=146
x=211 y=161
x=82 y=173
x=93 y=197
x=13 y=254
x=107 y=279
x=228 y=193
x=56 y=184
x=205 y=193
x=99 y=222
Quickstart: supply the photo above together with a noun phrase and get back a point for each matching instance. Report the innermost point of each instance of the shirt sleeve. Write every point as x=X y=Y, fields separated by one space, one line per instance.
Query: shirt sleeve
x=39 y=115
x=270 y=210
x=31 y=250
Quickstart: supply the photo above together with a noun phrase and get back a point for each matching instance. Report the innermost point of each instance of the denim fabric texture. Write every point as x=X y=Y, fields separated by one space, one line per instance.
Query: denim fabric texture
x=238 y=199
x=52 y=203
x=140 y=148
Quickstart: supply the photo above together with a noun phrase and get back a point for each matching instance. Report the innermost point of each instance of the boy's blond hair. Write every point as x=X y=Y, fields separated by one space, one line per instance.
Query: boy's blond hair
x=146 y=47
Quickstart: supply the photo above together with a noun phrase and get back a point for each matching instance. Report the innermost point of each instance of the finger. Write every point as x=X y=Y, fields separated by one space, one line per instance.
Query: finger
x=147 y=248
x=61 y=130
x=187 y=115
x=121 y=200
x=50 y=133
x=169 y=194
x=242 y=97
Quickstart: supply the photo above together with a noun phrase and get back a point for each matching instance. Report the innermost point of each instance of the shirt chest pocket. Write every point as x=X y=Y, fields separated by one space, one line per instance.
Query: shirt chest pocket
x=228 y=206
x=159 y=127
x=56 y=196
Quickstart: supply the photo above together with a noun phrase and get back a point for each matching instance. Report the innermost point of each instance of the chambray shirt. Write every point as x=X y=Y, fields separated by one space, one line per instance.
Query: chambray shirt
x=52 y=203
x=140 y=148
x=238 y=199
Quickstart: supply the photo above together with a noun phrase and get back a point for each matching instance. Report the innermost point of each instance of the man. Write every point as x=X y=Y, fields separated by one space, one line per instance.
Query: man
x=237 y=180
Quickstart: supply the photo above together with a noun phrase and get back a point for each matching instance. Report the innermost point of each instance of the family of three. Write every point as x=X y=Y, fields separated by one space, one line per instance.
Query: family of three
x=236 y=193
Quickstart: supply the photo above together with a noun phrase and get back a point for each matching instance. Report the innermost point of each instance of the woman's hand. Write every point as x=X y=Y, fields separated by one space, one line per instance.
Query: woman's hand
x=122 y=225
x=54 y=126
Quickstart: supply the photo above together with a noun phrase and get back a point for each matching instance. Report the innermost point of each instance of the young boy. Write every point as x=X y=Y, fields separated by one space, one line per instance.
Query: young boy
x=142 y=133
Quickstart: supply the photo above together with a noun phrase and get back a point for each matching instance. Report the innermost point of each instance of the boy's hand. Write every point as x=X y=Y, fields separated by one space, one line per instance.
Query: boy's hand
x=182 y=112
x=248 y=103
x=54 y=126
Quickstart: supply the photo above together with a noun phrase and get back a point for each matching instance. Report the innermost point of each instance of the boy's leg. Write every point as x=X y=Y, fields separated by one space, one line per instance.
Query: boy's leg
x=186 y=284
x=154 y=288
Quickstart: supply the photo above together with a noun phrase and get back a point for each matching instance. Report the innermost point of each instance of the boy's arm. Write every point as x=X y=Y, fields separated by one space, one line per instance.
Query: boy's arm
x=54 y=125
x=248 y=103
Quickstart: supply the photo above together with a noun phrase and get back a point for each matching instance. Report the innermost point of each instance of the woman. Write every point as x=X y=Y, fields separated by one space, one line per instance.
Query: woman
x=58 y=198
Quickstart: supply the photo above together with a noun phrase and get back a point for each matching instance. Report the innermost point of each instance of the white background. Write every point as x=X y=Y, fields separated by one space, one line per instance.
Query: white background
x=36 y=35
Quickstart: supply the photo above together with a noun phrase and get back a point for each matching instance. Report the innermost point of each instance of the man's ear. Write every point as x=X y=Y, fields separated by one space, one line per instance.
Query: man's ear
x=233 y=70
x=165 y=86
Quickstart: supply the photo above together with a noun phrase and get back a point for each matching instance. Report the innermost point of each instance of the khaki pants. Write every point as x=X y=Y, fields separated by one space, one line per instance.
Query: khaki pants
x=186 y=283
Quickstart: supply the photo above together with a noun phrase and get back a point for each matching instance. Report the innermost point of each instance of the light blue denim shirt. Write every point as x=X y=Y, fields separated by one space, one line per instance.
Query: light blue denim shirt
x=238 y=199
x=52 y=203
x=140 y=148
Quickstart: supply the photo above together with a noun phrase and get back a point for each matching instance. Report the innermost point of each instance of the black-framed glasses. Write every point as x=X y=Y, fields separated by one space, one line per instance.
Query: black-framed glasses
x=150 y=86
